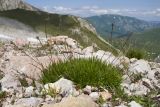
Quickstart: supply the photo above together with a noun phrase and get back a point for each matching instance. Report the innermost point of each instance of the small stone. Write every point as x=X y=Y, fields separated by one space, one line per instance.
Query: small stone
x=29 y=91
x=94 y=96
x=132 y=60
x=105 y=95
x=87 y=90
x=134 y=104
x=76 y=93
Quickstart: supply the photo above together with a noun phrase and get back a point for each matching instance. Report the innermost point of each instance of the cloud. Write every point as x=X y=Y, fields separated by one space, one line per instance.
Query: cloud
x=86 y=11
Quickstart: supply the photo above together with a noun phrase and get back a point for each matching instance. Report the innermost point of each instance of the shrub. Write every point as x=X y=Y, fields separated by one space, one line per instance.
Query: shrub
x=135 y=53
x=3 y=94
x=84 y=72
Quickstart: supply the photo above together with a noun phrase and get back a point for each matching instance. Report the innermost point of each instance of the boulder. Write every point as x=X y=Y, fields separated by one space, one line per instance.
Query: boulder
x=28 y=66
x=139 y=66
x=72 y=43
x=88 y=50
x=135 y=88
x=80 y=101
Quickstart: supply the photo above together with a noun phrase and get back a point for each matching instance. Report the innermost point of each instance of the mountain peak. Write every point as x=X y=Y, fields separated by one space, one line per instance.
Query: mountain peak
x=15 y=4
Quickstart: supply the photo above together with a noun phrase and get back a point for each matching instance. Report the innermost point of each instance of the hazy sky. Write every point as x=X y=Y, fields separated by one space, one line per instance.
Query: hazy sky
x=144 y=9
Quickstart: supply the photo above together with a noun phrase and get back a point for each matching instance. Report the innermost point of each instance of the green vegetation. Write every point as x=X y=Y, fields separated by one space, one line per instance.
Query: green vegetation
x=56 y=24
x=145 y=101
x=52 y=92
x=1 y=75
x=23 y=82
x=146 y=43
x=2 y=95
x=84 y=72
x=135 y=53
x=149 y=41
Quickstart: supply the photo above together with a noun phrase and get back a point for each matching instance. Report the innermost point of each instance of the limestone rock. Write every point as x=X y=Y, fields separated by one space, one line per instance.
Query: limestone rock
x=9 y=82
x=62 y=86
x=88 y=50
x=25 y=65
x=140 y=66
x=29 y=102
x=87 y=90
x=134 y=104
x=80 y=101
x=94 y=96
x=29 y=91
x=105 y=95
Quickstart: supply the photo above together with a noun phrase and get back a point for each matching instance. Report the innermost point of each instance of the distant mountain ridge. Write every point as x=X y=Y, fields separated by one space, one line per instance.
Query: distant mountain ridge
x=15 y=4
x=122 y=24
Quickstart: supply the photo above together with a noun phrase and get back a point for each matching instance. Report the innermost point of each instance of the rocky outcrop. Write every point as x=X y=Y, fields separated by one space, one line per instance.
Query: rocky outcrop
x=15 y=4
x=85 y=24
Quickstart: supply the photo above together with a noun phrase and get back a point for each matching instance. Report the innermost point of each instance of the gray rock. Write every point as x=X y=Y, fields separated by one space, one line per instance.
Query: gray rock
x=140 y=66
x=135 y=88
x=80 y=101
x=87 y=90
x=10 y=82
x=132 y=60
x=88 y=50
x=29 y=91
x=29 y=102
x=62 y=86
x=134 y=104
x=94 y=96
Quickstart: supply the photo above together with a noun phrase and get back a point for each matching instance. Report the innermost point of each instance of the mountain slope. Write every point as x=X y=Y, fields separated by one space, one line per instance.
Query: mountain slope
x=14 y=4
x=56 y=24
x=122 y=24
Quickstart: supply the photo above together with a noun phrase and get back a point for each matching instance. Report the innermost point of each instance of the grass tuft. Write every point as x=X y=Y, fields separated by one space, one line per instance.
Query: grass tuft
x=84 y=72
x=135 y=53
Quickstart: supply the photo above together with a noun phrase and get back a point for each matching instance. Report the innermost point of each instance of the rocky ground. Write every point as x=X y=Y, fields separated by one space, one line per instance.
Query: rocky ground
x=20 y=71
